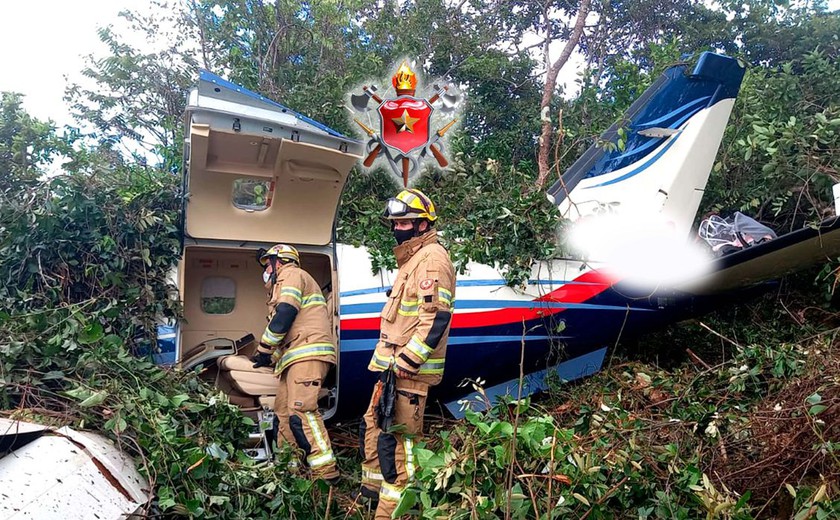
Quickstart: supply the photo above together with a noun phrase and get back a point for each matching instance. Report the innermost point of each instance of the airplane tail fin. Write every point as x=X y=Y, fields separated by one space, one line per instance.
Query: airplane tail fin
x=672 y=134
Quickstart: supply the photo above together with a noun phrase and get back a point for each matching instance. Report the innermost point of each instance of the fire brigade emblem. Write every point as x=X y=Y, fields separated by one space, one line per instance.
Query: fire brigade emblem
x=405 y=138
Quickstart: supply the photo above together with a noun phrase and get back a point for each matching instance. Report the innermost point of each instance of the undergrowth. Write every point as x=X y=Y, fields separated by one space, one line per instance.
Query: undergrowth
x=85 y=261
x=753 y=436
x=746 y=426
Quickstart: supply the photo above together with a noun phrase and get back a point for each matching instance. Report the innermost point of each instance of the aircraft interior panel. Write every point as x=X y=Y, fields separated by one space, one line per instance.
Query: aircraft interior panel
x=225 y=300
x=298 y=185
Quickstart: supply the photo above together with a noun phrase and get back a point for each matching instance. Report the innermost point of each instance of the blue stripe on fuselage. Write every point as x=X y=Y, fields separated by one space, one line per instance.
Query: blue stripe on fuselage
x=351 y=345
x=472 y=283
x=376 y=307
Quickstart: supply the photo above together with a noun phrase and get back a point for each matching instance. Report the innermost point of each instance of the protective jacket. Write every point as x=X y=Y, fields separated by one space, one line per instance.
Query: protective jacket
x=417 y=316
x=299 y=326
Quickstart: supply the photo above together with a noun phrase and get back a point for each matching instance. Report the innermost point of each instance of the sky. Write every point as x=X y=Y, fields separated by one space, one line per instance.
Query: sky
x=42 y=41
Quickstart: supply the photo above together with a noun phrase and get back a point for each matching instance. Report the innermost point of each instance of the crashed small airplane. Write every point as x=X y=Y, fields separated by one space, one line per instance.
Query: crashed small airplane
x=257 y=173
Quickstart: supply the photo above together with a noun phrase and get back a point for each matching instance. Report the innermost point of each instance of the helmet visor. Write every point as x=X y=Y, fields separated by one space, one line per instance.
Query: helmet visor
x=262 y=256
x=395 y=208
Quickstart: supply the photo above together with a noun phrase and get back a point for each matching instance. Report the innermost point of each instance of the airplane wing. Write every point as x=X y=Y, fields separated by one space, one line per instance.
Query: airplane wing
x=770 y=260
x=49 y=473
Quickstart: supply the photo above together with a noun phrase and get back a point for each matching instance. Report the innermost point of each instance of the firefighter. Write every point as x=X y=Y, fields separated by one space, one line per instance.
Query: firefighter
x=412 y=345
x=298 y=342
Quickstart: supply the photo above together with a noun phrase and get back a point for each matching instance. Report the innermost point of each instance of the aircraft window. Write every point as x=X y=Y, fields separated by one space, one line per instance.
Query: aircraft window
x=218 y=295
x=252 y=194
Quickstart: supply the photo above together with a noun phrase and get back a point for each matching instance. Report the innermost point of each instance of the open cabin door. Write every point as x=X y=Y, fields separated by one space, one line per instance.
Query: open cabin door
x=259 y=172
x=255 y=174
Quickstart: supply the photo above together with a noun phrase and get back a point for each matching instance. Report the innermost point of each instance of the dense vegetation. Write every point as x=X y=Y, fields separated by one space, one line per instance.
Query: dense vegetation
x=746 y=427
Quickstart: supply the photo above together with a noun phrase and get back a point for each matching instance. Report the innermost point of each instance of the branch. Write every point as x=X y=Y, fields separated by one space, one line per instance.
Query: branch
x=548 y=89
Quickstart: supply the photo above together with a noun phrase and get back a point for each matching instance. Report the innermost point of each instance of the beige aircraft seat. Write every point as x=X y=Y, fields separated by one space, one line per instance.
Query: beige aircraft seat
x=207 y=350
x=253 y=390
x=246 y=386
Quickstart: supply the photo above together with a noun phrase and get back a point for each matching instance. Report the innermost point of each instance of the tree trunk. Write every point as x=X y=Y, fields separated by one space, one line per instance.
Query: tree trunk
x=548 y=92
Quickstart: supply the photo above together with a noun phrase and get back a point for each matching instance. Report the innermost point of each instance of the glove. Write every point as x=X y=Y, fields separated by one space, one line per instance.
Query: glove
x=261 y=360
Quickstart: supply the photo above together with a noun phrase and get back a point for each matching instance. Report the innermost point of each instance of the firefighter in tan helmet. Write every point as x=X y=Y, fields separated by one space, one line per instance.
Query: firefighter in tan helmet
x=411 y=350
x=299 y=343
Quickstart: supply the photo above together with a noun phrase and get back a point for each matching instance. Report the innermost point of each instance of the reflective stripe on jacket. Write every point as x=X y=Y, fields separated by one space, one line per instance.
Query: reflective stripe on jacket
x=309 y=336
x=417 y=316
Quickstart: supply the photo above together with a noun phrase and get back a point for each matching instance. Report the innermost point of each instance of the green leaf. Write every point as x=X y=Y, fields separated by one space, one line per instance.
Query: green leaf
x=166 y=503
x=216 y=451
x=95 y=399
x=425 y=499
x=112 y=340
x=193 y=505
x=472 y=417
x=423 y=455
x=582 y=499
x=500 y=456
x=218 y=500
x=816 y=409
x=79 y=393
x=53 y=374
x=814 y=399
x=504 y=429
x=407 y=501
x=90 y=334
x=743 y=500
x=177 y=400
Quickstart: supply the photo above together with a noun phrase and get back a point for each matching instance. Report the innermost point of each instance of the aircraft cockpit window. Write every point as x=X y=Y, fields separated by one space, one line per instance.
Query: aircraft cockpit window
x=252 y=194
x=218 y=295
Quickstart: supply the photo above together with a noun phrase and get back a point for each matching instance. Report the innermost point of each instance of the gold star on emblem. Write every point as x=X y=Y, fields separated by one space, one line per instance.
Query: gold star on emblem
x=405 y=123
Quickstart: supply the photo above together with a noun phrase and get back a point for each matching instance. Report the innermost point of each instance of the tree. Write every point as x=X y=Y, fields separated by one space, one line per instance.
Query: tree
x=552 y=70
x=137 y=98
x=27 y=145
x=774 y=32
x=305 y=55
x=781 y=152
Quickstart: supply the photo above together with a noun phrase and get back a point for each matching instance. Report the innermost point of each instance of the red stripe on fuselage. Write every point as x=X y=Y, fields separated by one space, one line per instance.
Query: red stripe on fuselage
x=583 y=288
x=360 y=323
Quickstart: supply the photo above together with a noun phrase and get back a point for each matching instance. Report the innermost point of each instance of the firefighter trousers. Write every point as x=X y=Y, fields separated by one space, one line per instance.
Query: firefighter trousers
x=389 y=465
x=301 y=424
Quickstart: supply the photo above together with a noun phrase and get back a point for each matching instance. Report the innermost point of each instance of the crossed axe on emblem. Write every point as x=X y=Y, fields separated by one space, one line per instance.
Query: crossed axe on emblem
x=401 y=161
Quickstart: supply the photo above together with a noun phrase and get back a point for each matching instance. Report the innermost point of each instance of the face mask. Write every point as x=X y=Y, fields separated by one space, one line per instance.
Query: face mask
x=266 y=276
x=401 y=235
